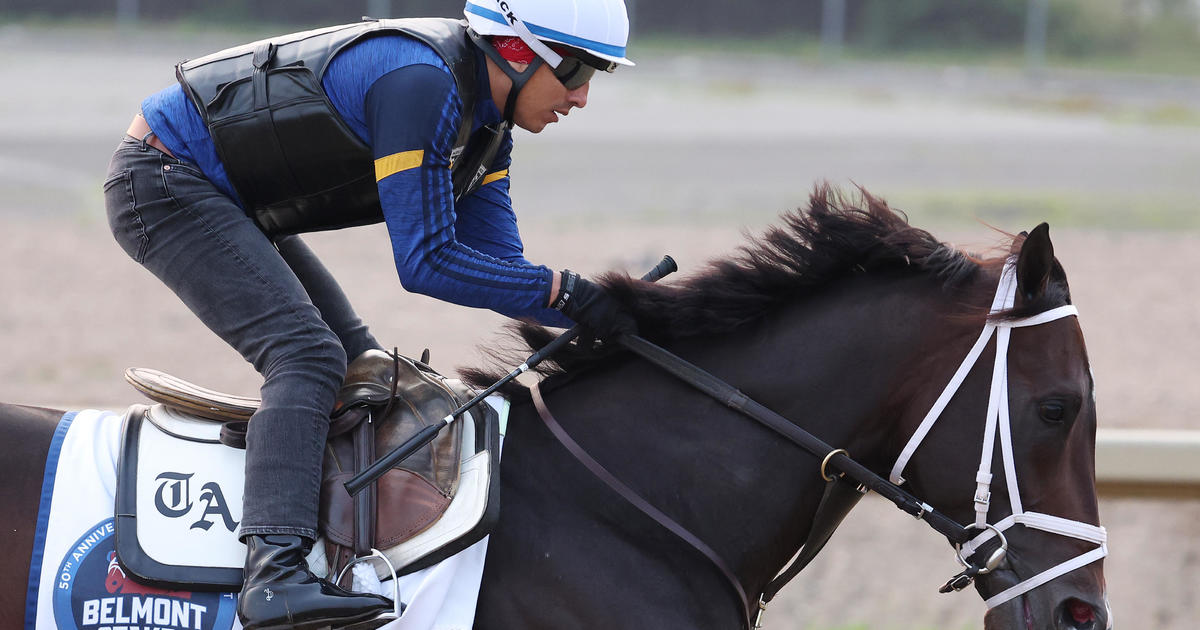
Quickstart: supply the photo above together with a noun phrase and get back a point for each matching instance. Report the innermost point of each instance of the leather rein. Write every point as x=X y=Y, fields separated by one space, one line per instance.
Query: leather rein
x=840 y=494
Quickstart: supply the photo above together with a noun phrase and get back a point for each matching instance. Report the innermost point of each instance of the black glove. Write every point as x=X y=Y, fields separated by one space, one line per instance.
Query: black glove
x=591 y=306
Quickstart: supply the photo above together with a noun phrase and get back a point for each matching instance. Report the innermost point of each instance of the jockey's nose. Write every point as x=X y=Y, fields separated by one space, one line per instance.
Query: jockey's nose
x=578 y=96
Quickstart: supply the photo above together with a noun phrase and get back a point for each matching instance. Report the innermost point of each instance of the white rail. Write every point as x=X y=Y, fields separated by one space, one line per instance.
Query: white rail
x=1148 y=462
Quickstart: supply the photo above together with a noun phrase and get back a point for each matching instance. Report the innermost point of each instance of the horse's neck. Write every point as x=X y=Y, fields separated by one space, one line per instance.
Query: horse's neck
x=828 y=364
x=832 y=365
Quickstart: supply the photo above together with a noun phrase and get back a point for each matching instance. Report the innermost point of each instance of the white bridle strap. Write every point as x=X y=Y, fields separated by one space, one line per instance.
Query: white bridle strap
x=1047 y=575
x=998 y=420
x=1044 y=522
x=940 y=404
x=1043 y=317
x=997 y=406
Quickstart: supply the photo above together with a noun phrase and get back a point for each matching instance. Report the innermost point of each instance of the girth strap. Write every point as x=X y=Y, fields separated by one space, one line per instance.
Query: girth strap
x=637 y=501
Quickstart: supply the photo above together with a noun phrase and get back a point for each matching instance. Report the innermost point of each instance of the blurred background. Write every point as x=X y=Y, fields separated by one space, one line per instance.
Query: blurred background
x=974 y=117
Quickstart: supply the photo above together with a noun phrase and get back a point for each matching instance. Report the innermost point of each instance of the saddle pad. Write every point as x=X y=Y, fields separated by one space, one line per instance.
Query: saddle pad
x=179 y=497
x=75 y=582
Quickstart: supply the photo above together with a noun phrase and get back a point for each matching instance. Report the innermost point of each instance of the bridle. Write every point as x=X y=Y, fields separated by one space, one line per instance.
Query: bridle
x=998 y=422
x=865 y=479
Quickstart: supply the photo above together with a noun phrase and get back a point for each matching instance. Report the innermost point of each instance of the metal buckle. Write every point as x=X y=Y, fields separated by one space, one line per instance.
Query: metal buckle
x=957 y=583
x=762 y=608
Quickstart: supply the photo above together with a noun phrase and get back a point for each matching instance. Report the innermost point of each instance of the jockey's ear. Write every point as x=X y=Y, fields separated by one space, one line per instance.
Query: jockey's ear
x=1035 y=262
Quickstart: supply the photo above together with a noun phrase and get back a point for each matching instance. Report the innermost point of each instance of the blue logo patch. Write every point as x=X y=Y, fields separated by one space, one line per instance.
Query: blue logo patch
x=92 y=592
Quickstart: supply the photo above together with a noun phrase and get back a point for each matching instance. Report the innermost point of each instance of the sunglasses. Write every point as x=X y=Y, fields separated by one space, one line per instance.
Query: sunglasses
x=573 y=72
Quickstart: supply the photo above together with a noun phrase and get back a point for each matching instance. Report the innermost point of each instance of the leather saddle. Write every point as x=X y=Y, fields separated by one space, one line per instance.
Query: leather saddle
x=386 y=398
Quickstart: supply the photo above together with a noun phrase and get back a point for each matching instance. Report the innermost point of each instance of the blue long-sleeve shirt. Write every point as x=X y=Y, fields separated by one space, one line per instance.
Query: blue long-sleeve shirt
x=400 y=98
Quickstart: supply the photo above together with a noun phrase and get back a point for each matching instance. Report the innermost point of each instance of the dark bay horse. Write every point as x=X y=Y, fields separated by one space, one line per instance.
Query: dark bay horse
x=848 y=322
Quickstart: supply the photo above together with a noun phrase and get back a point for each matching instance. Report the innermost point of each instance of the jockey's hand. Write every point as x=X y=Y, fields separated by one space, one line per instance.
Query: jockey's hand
x=589 y=305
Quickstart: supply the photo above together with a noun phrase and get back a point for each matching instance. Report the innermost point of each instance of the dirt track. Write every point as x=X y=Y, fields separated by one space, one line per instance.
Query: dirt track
x=680 y=161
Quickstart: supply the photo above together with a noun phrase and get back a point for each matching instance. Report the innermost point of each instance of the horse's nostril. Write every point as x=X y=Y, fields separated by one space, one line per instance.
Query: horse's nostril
x=1081 y=612
x=1078 y=615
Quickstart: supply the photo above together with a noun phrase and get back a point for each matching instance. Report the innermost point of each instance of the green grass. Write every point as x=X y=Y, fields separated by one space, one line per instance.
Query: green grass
x=941 y=209
x=1174 y=56
x=795 y=46
x=1068 y=209
x=184 y=27
x=1165 y=49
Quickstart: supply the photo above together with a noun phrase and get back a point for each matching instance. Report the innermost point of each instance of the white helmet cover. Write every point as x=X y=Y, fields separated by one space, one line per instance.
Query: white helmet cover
x=599 y=27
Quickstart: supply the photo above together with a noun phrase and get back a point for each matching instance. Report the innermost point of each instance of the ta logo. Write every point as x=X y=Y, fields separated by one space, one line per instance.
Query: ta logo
x=173 y=499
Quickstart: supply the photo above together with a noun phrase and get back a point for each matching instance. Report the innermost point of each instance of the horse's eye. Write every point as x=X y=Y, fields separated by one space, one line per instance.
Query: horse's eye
x=1053 y=412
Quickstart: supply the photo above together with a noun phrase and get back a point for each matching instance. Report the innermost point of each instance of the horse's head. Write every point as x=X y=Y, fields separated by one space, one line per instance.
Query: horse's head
x=1016 y=454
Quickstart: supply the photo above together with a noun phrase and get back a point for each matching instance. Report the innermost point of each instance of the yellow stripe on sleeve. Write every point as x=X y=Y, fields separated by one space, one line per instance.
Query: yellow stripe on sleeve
x=396 y=162
x=491 y=177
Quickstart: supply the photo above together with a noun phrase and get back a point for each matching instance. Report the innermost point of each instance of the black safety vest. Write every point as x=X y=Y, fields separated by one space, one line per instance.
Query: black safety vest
x=296 y=165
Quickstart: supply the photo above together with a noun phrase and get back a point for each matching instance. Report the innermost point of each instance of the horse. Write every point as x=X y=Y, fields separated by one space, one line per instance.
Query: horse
x=847 y=321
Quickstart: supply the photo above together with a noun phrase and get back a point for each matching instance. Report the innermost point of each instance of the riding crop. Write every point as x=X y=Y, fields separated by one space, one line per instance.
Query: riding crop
x=363 y=479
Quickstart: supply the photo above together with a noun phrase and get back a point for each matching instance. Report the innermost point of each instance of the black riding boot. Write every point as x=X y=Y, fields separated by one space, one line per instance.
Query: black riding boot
x=281 y=592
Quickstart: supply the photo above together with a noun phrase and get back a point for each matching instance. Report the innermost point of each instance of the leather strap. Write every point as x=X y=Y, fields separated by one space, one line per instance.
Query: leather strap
x=364 y=502
x=139 y=129
x=736 y=400
x=839 y=498
x=637 y=501
x=263 y=54
x=233 y=434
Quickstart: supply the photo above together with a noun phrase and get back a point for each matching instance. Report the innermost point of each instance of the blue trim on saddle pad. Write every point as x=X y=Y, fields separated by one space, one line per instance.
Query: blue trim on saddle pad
x=39 y=536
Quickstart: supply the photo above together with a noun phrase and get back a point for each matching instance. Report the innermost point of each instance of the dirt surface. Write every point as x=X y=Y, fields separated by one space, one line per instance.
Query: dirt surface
x=677 y=157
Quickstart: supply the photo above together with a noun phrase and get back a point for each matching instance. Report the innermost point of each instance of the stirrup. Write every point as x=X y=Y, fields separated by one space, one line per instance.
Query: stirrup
x=397 y=607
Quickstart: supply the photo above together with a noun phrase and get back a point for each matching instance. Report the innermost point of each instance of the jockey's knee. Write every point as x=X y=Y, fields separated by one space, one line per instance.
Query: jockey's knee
x=317 y=360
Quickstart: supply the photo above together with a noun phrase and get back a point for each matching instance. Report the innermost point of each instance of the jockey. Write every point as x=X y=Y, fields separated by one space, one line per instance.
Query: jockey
x=402 y=121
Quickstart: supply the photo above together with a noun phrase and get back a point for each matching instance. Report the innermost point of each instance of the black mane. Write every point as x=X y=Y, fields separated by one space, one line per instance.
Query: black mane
x=832 y=238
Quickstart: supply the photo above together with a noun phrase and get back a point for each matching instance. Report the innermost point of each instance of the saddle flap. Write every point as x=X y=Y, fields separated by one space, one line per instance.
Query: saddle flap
x=414 y=493
x=178 y=501
x=435 y=503
x=177 y=393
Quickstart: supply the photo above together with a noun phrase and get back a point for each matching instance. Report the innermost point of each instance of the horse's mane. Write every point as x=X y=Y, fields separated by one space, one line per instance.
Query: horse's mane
x=833 y=238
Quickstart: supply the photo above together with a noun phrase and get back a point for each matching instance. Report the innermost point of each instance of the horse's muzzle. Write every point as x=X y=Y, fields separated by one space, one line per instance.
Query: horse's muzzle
x=1059 y=611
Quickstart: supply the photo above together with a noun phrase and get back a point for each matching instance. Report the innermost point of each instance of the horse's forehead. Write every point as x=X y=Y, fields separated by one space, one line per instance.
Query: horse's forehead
x=1052 y=356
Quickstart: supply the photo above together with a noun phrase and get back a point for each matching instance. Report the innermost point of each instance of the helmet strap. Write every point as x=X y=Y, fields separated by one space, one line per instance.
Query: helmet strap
x=522 y=31
x=518 y=78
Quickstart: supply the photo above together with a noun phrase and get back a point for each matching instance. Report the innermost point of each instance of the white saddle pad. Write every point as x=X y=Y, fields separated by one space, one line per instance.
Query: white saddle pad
x=76 y=584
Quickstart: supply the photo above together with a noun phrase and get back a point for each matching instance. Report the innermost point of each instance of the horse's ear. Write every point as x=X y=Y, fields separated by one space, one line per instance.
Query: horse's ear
x=1035 y=262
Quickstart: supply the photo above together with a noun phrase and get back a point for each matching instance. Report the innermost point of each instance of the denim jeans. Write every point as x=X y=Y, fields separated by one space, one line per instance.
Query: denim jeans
x=274 y=302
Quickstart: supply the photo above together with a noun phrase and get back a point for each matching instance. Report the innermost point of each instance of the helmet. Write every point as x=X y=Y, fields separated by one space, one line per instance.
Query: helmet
x=597 y=28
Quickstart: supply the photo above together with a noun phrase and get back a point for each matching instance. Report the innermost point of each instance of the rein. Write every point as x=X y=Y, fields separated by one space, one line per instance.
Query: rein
x=841 y=495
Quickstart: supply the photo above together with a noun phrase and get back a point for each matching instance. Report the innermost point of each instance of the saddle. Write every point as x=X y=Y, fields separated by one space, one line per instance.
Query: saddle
x=385 y=399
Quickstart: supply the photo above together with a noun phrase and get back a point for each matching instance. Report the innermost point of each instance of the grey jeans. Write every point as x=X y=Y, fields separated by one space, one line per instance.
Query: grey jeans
x=274 y=302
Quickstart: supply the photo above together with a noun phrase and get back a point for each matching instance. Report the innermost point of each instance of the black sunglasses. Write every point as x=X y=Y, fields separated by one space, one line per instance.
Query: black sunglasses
x=572 y=72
